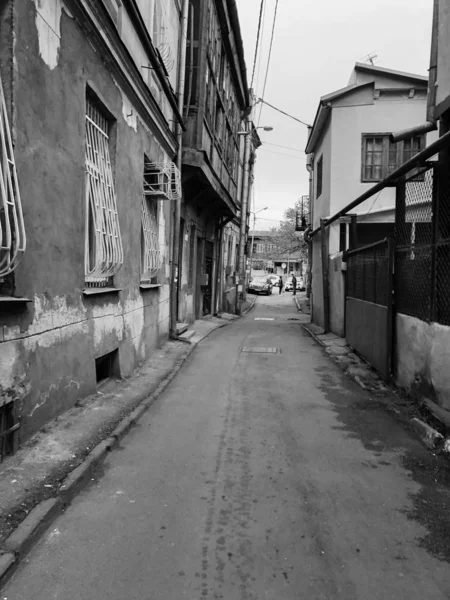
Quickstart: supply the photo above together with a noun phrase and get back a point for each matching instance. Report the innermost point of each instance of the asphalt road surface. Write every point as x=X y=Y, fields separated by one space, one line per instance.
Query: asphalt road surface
x=255 y=475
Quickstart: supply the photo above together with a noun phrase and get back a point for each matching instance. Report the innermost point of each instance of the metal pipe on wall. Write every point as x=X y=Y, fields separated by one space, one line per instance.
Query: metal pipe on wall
x=177 y=209
x=244 y=208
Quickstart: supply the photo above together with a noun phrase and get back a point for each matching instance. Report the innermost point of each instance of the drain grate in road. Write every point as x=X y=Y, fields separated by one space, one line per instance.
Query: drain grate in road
x=264 y=319
x=260 y=350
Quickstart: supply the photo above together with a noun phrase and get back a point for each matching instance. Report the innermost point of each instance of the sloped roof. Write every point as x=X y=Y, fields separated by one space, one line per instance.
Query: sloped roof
x=325 y=103
x=375 y=70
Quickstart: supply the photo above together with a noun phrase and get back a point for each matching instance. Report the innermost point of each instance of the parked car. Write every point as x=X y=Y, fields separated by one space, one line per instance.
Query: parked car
x=300 y=284
x=260 y=285
x=275 y=279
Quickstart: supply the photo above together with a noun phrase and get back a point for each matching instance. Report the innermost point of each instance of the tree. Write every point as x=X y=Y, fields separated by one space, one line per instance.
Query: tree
x=288 y=242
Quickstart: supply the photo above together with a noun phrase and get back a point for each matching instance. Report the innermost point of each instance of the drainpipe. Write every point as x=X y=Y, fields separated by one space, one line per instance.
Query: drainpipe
x=174 y=284
x=430 y=124
x=244 y=207
x=306 y=235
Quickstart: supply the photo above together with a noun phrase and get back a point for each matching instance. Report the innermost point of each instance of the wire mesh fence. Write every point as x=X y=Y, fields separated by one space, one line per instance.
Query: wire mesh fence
x=422 y=235
x=368 y=273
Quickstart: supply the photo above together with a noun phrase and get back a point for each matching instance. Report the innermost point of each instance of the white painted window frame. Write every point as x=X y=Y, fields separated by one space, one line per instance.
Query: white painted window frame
x=104 y=250
x=12 y=228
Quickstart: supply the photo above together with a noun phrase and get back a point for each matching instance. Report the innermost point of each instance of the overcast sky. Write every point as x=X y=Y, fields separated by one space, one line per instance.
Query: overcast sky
x=316 y=45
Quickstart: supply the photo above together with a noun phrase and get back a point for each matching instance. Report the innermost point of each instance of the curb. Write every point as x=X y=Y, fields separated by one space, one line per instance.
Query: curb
x=39 y=519
x=430 y=437
x=249 y=308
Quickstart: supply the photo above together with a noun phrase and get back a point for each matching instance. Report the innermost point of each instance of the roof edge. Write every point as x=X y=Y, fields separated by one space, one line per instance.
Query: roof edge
x=401 y=74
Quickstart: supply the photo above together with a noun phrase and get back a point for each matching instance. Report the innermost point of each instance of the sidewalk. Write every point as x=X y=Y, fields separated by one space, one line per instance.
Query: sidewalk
x=431 y=423
x=63 y=451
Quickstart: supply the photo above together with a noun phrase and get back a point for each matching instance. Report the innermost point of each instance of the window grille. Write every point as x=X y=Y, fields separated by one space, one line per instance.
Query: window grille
x=103 y=244
x=161 y=37
x=150 y=251
x=162 y=180
x=12 y=229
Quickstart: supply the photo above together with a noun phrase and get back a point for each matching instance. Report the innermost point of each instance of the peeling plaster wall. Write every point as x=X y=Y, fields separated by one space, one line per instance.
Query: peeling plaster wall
x=48 y=348
x=423 y=358
x=48 y=17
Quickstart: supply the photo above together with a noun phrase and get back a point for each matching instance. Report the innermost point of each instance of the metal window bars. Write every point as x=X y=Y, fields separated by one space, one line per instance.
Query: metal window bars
x=150 y=251
x=103 y=243
x=161 y=37
x=162 y=180
x=12 y=229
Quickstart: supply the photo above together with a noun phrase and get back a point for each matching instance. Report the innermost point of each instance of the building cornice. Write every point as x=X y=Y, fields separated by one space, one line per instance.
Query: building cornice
x=97 y=25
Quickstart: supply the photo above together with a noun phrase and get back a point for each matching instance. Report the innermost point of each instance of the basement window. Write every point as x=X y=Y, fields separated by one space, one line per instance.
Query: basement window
x=107 y=366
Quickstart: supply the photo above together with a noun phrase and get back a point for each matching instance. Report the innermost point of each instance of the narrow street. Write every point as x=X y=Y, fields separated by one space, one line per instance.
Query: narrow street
x=254 y=475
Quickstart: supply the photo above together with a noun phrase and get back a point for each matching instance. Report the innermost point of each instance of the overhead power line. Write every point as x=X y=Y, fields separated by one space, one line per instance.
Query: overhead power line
x=279 y=146
x=270 y=55
x=294 y=156
x=282 y=112
x=257 y=41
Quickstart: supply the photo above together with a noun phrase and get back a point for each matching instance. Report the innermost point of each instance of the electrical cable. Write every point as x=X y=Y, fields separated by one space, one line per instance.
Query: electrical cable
x=257 y=42
x=269 y=56
x=282 y=112
x=258 y=71
x=282 y=153
x=279 y=146
x=373 y=204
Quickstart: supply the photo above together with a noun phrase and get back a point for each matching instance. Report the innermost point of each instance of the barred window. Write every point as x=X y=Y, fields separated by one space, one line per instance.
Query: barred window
x=150 y=250
x=12 y=229
x=103 y=243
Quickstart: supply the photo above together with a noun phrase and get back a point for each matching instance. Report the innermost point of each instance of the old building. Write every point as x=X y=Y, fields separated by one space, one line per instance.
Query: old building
x=349 y=151
x=89 y=98
x=270 y=254
x=215 y=154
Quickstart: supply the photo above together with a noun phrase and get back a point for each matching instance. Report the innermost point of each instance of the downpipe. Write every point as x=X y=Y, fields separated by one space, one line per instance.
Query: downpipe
x=175 y=283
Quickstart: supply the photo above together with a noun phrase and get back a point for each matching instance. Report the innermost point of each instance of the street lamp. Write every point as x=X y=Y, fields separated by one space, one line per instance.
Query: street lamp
x=253 y=237
x=265 y=127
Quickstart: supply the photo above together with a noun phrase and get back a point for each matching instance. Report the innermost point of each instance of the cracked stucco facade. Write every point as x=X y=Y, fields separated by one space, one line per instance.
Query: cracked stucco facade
x=48 y=347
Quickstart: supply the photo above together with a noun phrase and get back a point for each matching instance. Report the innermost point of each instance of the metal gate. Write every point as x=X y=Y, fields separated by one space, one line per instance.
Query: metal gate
x=369 y=303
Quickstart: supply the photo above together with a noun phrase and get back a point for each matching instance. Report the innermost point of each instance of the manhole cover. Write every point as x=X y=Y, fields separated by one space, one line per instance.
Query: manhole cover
x=264 y=319
x=260 y=350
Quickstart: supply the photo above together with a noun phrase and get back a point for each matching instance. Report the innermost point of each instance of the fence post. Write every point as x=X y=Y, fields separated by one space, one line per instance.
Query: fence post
x=434 y=238
x=391 y=321
x=400 y=212
x=353 y=232
x=326 y=291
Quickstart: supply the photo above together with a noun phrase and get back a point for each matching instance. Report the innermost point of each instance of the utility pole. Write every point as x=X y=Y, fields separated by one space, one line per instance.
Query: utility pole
x=174 y=283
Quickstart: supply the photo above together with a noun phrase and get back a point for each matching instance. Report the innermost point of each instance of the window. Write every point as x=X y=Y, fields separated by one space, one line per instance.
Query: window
x=103 y=244
x=12 y=230
x=150 y=251
x=319 y=176
x=381 y=157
